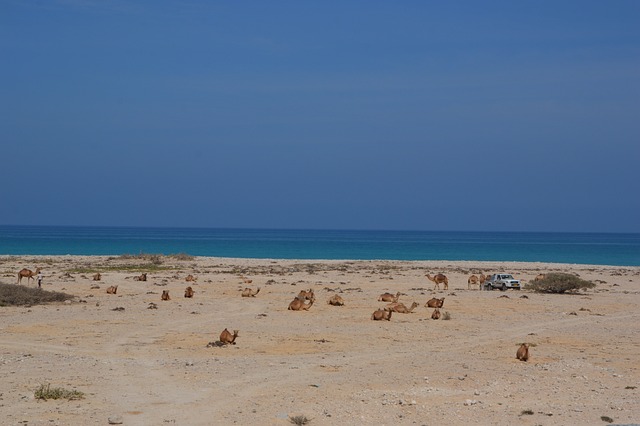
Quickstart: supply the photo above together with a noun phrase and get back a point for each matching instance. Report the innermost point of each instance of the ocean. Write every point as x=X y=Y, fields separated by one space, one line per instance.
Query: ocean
x=576 y=248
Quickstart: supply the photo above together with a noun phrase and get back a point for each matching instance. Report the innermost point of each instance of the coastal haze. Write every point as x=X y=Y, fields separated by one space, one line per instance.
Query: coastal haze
x=350 y=148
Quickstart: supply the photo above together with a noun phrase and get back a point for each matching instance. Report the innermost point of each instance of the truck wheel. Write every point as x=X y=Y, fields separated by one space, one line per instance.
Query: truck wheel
x=504 y=287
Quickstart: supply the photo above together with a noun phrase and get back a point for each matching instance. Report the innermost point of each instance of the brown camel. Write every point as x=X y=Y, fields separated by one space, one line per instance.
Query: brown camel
x=439 y=279
x=539 y=277
x=434 y=303
x=112 y=289
x=188 y=292
x=523 y=352
x=28 y=274
x=473 y=280
x=165 y=295
x=381 y=314
x=247 y=292
x=307 y=294
x=298 y=304
x=436 y=314
x=401 y=308
x=388 y=297
x=97 y=276
x=190 y=278
x=227 y=338
x=142 y=277
x=336 y=300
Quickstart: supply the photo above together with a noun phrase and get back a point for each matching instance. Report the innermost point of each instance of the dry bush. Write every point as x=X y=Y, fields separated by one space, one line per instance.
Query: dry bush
x=560 y=283
x=46 y=392
x=20 y=295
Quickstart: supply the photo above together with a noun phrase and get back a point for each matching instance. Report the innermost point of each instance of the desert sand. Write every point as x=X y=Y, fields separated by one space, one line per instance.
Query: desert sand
x=331 y=364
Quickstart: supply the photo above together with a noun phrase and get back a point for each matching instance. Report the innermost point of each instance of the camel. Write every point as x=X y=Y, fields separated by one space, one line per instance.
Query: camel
x=473 y=280
x=190 y=278
x=388 y=297
x=307 y=294
x=436 y=314
x=112 y=289
x=188 y=292
x=401 y=308
x=434 y=303
x=97 y=276
x=27 y=273
x=336 y=300
x=439 y=279
x=142 y=277
x=227 y=338
x=247 y=292
x=539 y=277
x=381 y=314
x=298 y=304
x=165 y=295
x=523 y=352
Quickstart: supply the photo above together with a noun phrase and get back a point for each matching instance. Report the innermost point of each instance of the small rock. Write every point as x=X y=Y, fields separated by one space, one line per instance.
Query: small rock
x=470 y=402
x=115 y=420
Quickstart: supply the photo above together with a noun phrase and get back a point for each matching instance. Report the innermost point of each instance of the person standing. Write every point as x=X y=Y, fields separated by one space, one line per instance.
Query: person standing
x=39 y=279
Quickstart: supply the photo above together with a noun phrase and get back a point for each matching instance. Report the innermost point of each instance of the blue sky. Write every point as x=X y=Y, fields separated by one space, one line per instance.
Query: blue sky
x=467 y=115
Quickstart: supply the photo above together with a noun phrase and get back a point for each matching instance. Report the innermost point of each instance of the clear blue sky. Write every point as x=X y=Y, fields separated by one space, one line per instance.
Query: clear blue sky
x=469 y=115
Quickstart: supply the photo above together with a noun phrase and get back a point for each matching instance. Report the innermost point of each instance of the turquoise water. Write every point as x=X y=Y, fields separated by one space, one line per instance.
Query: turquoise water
x=582 y=248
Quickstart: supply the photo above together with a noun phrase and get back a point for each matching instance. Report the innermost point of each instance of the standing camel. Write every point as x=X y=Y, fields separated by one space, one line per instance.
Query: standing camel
x=27 y=273
x=473 y=280
x=439 y=279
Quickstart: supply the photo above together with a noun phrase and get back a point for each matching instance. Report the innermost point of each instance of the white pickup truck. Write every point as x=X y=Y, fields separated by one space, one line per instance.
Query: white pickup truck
x=502 y=281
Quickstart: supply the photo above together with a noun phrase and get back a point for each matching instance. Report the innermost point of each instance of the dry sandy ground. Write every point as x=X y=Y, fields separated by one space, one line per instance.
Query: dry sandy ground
x=333 y=365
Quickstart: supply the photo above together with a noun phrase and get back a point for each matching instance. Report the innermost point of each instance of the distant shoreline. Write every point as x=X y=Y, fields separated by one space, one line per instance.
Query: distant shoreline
x=487 y=265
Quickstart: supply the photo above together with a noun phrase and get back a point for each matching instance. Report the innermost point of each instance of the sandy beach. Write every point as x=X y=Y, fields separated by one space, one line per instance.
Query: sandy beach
x=331 y=364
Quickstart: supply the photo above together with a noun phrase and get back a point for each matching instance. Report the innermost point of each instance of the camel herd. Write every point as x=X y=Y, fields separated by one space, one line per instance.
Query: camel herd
x=306 y=298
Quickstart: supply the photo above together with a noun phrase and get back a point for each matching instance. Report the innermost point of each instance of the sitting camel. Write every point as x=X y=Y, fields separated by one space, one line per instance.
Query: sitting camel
x=388 y=297
x=434 y=303
x=439 y=279
x=436 y=314
x=473 y=280
x=165 y=295
x=27 y=273
x=401 y=308
x=336 y=300
x=112 y=289
x=227 y=338
x=523 y=352
x=298 y=304
x=142 y=277
x=188 y=292
x=190 y=278
x=381 y=314
x=247 y=292
x=97 y=276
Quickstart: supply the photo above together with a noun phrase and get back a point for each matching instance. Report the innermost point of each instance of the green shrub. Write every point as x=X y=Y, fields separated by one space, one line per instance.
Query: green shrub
x=20 y=295
x=560 y=283
x=46 y=392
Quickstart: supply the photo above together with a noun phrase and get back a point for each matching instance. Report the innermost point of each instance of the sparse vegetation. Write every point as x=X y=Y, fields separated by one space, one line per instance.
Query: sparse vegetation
x=181 y=256
x=45 y=392
x=526 y=413
x=143 y=267
x=299 y=420
x=606 y=419
x=560 y=283
x=20 y=295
